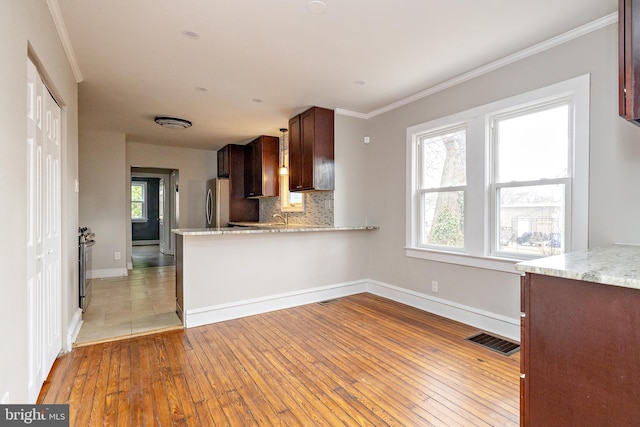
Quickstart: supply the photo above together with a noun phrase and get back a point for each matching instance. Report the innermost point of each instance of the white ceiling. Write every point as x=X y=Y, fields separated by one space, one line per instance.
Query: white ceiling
x=135 y=63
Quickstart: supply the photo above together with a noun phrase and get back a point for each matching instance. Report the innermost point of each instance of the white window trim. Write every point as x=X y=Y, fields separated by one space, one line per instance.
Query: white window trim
x=144 y=218
x=478 y=251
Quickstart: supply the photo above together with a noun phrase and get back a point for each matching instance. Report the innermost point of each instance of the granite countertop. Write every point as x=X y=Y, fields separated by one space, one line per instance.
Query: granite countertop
x=258 y=229
x=617 y=265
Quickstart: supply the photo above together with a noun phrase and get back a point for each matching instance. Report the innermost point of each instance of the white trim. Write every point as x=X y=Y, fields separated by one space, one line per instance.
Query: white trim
x=108 y=272
x=491 y=322
x=481 y=319
x=250 y=307
x=73 y=330
x=515 y=57
x=54 y=10
x=504 y=265
x=477 y=234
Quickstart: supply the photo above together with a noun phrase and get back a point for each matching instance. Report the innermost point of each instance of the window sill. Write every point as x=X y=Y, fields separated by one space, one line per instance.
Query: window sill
x=505 y=265
x=140 y=220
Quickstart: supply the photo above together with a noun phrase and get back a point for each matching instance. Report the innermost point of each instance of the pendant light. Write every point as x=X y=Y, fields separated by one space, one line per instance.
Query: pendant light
x=283 y=169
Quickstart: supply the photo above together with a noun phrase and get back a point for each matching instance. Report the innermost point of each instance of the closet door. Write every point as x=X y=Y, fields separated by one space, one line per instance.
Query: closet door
x=43 y=240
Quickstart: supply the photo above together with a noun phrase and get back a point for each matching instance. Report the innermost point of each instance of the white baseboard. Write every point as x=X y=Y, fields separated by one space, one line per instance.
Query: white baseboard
x=145 y=242
x=235 y=310
x=484 y=320
x=495 y=323
x=73 y=330
x=108 y=272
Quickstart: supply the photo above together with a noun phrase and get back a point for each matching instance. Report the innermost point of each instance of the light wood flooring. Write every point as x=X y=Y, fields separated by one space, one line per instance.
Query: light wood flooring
x=140 y=303
x=362 y=360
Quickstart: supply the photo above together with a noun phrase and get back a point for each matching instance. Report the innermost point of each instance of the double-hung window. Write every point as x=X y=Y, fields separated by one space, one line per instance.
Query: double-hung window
x=138 y=201
x=503 y=182
x=442 y=182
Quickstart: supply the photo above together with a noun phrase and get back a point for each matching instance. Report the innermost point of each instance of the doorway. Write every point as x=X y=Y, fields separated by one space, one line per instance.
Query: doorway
x=144 y=301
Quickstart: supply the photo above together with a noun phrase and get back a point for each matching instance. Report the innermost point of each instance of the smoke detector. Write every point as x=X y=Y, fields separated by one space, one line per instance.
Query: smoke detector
x=172 y=122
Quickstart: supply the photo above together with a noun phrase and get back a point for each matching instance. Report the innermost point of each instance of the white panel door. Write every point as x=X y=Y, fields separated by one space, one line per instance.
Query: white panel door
x=43 y=238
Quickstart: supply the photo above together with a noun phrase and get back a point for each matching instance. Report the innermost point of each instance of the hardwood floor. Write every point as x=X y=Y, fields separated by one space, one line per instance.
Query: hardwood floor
x=362 y=360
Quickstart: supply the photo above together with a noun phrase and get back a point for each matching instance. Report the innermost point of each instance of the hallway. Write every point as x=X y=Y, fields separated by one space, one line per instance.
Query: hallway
x=138 y=304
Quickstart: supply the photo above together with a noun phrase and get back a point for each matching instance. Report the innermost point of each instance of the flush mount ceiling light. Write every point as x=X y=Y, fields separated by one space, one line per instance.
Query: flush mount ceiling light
x=172 y=122
x=317 y=7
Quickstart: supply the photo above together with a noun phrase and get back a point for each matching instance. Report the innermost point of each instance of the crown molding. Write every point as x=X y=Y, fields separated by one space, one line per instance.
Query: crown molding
x=54 y=9
x=518 y=56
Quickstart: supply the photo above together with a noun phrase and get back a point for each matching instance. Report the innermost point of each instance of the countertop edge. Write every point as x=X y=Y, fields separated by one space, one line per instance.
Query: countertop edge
x=615 y=265
x=265 y=230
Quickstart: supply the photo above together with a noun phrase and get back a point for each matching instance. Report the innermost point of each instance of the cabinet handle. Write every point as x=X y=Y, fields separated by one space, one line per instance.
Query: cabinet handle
x=298 y=186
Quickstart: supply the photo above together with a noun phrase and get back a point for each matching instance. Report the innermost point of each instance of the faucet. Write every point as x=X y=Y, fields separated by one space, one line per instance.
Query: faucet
x=285 y=219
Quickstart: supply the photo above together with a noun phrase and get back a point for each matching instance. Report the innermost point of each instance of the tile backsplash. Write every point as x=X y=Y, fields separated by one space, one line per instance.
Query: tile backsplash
x=318 y=209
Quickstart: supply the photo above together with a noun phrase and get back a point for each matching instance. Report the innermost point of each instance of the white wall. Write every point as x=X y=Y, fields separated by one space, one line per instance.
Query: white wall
x=24 y=23
x=195 y=168
x=240 y=271
x=351 y=154
x=103 y=206
x=614 y=166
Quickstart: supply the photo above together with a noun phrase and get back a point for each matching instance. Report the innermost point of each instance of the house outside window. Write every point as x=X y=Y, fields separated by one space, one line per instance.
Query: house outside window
x=501 y=183
x=138 y=201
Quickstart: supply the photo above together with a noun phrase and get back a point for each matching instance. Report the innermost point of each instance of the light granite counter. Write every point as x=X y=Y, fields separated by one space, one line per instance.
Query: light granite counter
x=267 y=229
x=617 y=265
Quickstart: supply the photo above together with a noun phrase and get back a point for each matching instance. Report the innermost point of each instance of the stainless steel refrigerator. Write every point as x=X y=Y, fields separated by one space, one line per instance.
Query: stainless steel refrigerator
x=217 y=203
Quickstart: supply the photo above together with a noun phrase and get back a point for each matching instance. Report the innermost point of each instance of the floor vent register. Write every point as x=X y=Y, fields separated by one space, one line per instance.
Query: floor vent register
x=496 y=344
x=329 y=301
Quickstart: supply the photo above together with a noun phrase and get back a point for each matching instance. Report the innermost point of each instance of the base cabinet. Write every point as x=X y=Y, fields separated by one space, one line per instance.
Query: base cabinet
x=580 y=353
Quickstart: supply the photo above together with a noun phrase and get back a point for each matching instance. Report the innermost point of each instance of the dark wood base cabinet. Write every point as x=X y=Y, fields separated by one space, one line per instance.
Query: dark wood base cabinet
x=580 y=353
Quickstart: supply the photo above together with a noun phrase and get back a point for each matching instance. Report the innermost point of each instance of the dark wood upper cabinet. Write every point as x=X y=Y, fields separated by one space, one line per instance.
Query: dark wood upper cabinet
x=311 y=150
x=261 y=167
x=629 y=60
x=223 y=161
x=240 y=208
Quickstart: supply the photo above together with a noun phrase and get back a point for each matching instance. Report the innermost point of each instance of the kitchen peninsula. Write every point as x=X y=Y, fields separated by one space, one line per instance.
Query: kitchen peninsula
x=581 y=338
x=231 y=272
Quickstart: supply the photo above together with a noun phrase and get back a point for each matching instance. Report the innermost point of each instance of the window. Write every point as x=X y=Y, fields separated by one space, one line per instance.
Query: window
x=138 y=201
x=442 y=183
x=531 y=182
x=289 y=202
x=503 y=182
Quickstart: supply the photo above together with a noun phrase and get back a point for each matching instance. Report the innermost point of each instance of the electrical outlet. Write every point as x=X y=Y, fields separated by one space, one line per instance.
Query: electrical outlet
x=434 y=285
x=116 y=255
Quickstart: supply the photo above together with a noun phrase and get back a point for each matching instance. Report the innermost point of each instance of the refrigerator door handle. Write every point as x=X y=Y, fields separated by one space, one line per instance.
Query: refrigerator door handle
x=209 y=208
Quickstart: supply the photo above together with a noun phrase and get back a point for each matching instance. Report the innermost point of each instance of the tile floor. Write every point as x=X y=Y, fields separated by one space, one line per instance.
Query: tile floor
x=122 y=307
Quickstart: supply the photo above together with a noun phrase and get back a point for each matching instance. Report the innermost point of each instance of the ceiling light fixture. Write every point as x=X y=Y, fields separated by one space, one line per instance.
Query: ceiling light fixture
x=283 y=144
x=317 y=7
x=172 y=122
x=191 y=35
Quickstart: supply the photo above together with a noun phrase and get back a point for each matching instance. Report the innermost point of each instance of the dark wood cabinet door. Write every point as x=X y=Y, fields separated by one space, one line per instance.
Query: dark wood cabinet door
x=311 y=150
x=307 y=132
x=261 y=167
x=295 y=155
x=223 y=162
x=580 y=353
x=252 y=169
x=629 y=60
